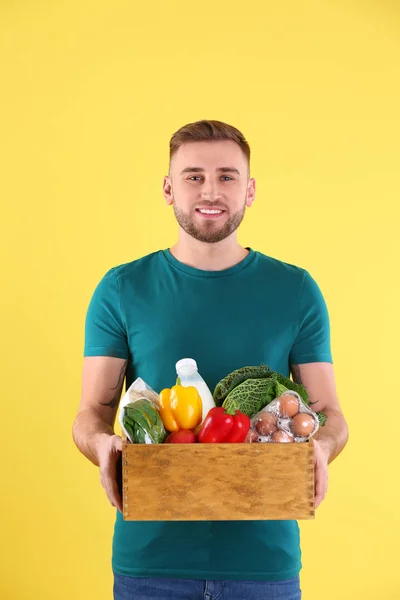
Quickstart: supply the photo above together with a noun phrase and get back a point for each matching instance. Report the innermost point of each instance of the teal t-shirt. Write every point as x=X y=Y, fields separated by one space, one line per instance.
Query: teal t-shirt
x=157 y=310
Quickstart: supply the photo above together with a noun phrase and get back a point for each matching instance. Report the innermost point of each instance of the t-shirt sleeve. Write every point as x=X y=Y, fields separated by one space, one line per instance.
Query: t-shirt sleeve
x=105 y=329
x=312 y=343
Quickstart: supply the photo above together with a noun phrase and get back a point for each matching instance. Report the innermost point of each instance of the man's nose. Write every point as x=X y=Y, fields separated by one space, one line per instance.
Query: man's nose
x=210 y=190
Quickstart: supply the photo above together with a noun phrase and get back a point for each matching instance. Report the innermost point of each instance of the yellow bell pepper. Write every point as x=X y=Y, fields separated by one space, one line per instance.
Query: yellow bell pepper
x=180 y=408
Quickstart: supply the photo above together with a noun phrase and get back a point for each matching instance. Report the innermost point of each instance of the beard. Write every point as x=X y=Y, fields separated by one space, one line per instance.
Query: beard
x=209 y=231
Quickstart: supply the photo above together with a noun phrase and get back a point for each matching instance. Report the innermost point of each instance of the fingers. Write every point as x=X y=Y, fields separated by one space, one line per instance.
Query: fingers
x=114 y=495
x=117 y=442
x=321 y=483
x=108 y=472
x=108 y=481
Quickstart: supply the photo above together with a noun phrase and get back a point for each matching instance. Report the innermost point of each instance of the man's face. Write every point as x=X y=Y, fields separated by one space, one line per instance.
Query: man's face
x=209 y=189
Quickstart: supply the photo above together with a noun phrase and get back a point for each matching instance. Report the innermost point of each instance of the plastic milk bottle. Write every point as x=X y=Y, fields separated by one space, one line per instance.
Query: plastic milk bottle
x=187 y=372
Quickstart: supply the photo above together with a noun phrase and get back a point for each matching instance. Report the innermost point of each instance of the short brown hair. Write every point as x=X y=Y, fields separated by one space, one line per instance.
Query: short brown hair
x=208 y=131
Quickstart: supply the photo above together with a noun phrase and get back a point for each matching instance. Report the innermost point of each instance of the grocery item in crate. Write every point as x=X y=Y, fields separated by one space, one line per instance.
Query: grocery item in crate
x=220 y=426
x=249 y=389
x=182 y=436
x=180 y=407
x=189 y=376
x=285 y=419
x=139 y=415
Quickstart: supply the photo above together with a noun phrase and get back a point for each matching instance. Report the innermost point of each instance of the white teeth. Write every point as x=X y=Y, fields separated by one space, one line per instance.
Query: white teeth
x=210 y=212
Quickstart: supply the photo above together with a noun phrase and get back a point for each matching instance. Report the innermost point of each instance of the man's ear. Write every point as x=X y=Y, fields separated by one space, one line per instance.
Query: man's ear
x=167 y=190
x=251 y=192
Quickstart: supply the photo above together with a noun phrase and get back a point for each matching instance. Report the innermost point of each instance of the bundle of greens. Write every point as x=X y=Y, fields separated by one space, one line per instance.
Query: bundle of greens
x=250 y=389
x=143 y=423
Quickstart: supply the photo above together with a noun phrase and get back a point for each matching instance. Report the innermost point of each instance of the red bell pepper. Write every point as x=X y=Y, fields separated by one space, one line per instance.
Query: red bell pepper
x=220 y=426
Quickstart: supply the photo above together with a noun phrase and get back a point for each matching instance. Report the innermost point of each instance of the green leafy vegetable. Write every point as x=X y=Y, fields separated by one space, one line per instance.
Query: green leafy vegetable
x=231 y=381
x=322 y=418
x=250 y=396
x=143 y=423
x=294 y=387
x=279 y=389
x=250 y=388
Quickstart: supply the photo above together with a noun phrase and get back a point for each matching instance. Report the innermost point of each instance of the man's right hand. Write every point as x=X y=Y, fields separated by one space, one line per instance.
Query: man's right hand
x=109 y=448
x=93 y=428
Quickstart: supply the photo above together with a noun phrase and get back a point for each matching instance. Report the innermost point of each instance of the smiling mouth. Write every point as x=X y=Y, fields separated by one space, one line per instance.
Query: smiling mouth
x=210 y=213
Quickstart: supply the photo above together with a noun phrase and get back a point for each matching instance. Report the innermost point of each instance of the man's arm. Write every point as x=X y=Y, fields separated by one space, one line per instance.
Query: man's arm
x=319 y=381
x=93 y=427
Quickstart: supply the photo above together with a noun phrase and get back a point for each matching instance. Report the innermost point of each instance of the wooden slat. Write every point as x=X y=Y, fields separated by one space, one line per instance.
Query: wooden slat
x=193 y=482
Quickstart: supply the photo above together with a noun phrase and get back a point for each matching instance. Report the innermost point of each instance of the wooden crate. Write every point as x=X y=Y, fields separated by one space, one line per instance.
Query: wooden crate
x=213 y=482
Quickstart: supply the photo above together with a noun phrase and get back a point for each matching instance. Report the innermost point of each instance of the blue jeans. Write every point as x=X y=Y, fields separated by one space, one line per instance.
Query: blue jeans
x=143 y=588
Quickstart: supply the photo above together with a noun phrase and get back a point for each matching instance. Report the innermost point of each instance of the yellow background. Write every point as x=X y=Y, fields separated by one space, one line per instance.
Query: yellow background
x=91 y=93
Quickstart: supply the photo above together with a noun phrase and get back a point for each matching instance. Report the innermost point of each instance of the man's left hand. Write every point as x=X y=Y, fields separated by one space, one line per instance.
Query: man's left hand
x=321 y=472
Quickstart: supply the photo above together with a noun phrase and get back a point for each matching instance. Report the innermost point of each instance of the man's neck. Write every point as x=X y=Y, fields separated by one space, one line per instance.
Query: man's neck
x=209 y=257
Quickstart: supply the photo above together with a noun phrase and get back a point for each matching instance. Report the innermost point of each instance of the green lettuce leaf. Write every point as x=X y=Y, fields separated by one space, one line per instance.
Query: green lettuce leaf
x=250 y=396
x=234 y=379
x=143 y=422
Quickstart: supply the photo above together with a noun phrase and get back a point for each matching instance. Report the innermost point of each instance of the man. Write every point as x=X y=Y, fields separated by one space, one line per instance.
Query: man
x=226 y=306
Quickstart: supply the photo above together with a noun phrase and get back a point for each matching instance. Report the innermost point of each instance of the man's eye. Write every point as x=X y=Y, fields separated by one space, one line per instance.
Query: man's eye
x=224 y=177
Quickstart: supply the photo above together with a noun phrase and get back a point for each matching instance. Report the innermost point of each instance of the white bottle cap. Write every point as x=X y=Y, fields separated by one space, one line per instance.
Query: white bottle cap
x=186 y=362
